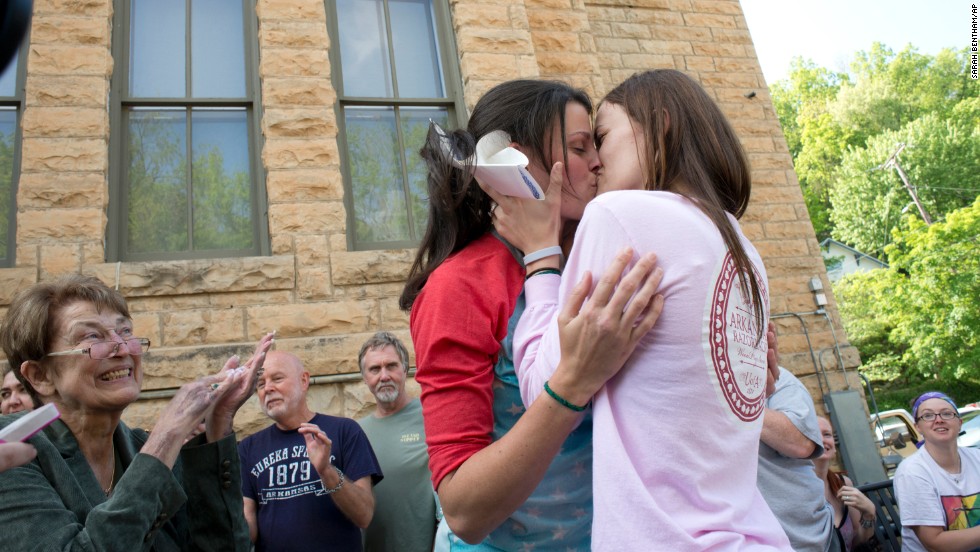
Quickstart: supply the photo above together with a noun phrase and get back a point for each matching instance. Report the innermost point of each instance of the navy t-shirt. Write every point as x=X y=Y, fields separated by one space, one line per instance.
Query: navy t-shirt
x=294 y=512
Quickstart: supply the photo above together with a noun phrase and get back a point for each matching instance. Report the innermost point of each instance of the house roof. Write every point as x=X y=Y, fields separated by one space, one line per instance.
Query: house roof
x=827 y=242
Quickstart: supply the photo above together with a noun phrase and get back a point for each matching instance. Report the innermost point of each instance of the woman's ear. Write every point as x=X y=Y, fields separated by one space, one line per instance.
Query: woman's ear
x=38 y=376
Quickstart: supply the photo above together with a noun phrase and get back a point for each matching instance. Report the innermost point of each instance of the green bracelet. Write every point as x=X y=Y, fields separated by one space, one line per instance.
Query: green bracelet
x=543 y=271
x=561 y=400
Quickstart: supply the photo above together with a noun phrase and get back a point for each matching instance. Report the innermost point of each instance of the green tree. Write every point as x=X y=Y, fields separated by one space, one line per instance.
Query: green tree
x=826 y=116
x=920 y=318
x=942 y=161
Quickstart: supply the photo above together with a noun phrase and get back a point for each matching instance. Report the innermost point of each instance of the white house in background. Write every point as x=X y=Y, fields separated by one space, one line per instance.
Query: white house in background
x=848 y=260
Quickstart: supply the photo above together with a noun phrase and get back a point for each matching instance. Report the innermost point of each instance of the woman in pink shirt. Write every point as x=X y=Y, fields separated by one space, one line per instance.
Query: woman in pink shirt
x=676 y=431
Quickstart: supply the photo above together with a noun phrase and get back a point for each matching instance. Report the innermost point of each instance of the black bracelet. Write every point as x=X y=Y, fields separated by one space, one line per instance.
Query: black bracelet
x=548 y=270
x=561 y=400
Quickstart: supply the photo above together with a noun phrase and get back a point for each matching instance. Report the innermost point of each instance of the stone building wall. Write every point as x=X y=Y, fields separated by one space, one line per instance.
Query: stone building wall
x=322 y=299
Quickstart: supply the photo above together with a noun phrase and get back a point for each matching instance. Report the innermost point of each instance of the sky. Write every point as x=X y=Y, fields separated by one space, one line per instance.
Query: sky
x=830 y=32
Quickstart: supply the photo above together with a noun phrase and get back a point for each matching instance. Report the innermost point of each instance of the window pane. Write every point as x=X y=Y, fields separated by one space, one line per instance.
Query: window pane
x=157 y=180
x=416 y=49
x=217 y=49
x=380 y=212
x=8 y=129
x=157 y=49
x=8 y=77
x=222 y=181
x=364 y=48
x=415 y=126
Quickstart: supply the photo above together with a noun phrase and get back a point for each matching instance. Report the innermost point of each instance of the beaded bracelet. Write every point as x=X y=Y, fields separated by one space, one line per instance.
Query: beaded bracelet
x=548 y=270
x=339 y=485
x=561 y=400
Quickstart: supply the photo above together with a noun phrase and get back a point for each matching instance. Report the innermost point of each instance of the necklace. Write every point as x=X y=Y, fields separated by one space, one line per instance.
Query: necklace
x=958 y=476
x=112 y=478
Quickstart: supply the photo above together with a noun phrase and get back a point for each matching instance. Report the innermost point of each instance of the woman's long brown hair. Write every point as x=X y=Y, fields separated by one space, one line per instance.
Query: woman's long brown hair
x=689 y=141
x=459 y=211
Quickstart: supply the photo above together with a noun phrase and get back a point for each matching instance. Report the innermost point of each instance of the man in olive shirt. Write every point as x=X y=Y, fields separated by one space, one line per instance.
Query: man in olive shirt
x=405 y=505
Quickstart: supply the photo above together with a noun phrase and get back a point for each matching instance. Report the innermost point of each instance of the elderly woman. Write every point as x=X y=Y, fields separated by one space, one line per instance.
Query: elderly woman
x=937 y=487
x=97 y=484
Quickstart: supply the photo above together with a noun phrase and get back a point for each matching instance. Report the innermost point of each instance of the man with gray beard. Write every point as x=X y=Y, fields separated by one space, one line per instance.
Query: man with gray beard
x=406 y=506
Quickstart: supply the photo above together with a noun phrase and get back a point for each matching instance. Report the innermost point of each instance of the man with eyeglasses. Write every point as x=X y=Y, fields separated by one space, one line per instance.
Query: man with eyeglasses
x=790 y=440
x=937 y=487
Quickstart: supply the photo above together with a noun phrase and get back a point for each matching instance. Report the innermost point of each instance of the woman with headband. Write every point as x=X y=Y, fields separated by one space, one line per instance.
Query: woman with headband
x=937 y=487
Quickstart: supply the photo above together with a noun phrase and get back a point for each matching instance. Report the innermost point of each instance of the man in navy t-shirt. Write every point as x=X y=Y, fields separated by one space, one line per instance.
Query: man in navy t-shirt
x=307 y=479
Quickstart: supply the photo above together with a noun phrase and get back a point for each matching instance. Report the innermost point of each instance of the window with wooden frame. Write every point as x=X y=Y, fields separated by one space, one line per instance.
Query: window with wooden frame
x=394 y=68
x=185 y=173
x=11 y=109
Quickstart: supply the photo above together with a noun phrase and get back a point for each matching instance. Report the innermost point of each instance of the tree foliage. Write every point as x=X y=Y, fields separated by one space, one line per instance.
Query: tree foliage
x=920 y=317
x=830 y=118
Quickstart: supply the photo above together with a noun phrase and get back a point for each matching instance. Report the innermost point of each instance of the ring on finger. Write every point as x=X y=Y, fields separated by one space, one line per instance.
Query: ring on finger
x=214 y=386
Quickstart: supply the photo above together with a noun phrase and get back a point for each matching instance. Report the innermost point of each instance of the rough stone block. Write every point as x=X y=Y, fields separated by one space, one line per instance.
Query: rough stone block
x=788 y=230
x=307 y=218
x=294 y=62
x=484 y=15
x=556 y=41
x=293 y=34
x=49 y=59
x=312 y=250
x=618 y=45
x=710 y=20
x=312 y=319
x=565 y=63
x=191 y=327
x=313 y=284
x=369 y=267
x=558 y=20
x=64 y=155
x=642 y=62
x=296 y=185
x=70 y=30
x=492 y=67
x=291 y=153
x=726 y=7
x=61 y=225
x=95 y=8
x=147 y=324
x=81 y=91
x=294 y=10
x=299 y=122
x=156 y=278
x=66 y=122
x=43 y=190
x=297 y=91
x=679 y=32
x=59 y=259
x=392 y=316
x=719 y=49
x=496 y=41
x=13 y=280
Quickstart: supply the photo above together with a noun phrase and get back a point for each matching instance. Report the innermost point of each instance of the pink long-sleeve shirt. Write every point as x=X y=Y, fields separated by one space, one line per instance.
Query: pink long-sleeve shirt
x=676 y=432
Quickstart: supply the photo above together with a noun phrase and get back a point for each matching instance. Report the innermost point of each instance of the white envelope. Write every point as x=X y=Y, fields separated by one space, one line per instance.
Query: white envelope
x=501 y=167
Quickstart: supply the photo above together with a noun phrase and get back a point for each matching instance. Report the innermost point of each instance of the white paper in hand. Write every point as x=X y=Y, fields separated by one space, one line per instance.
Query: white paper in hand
x=498 y=165
x=29 y=424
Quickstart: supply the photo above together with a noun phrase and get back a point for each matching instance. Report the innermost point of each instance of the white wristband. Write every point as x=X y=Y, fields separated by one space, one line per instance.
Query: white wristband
x=541 y=254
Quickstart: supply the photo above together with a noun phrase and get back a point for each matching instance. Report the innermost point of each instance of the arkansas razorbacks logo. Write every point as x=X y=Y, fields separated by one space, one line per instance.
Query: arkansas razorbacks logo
x=737 y=354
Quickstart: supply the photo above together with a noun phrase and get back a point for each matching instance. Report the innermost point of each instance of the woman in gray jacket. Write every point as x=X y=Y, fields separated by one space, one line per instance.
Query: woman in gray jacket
x=95 y=483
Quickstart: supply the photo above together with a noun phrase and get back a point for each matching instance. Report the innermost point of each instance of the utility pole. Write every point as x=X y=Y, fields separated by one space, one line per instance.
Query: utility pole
x=893 y=163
